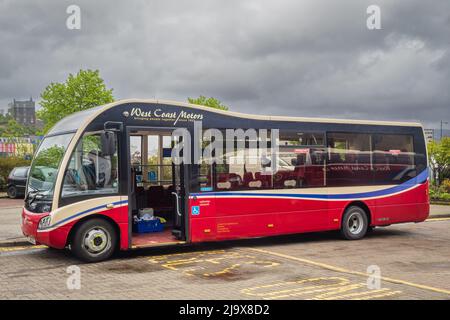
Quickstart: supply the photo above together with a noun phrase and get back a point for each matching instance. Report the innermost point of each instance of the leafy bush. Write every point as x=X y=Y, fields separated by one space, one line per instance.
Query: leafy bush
x=446 y=185
x=6 y=165
x=439 y=193
x=441 y=197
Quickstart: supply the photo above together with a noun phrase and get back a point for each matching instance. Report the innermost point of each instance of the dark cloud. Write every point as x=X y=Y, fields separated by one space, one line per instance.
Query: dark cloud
x=305 y=58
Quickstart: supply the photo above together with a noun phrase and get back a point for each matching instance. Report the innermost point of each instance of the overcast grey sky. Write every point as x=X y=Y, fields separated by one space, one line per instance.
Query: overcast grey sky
x=296 y=57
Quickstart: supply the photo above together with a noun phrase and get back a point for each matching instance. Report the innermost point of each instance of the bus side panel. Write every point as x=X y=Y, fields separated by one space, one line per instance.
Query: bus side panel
x=411 y=205
x=120 y=217
x=336 y=210
x=245 y=217
x=424 y=206
x=202 y=219
x=304 y=221
x=234 y=217
x=124 y=235
x=263 y=216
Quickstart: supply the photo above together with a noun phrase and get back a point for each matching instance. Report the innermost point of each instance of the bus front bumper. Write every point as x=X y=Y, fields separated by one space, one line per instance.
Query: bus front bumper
x=55 y=238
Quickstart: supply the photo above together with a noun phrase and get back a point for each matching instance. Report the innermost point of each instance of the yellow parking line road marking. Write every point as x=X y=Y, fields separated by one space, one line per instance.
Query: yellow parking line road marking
x=343 y=270
x=377 y=296
x=21 y=248
x=321 y=288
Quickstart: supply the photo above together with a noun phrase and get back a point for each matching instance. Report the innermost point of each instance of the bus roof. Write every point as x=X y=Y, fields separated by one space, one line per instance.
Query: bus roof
x=78 y=119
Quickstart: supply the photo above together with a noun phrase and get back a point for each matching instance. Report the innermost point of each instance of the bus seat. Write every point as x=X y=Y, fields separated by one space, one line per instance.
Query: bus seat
x=155 y=194
x=225 y=185
x=167 y=200
x=265 y=179
x=255 y=184
x=335 y=158
x=248 y=176
x=363 y=158
x=235 y=180
x=222 y=177
x=350 y=157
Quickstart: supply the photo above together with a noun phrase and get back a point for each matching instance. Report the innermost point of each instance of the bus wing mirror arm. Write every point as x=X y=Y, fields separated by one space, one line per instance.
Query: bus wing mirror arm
x=113 y=126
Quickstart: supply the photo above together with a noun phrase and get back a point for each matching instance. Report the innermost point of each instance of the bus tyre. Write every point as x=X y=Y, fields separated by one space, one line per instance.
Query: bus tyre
x=12 y=192
x=354 y=223
x=94 y=240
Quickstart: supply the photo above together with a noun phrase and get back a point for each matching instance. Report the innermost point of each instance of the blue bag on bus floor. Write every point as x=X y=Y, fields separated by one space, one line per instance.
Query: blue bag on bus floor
x=145 y=225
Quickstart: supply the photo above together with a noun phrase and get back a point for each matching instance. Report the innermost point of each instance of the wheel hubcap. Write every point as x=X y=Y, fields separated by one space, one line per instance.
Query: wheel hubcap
x=96 y=241
x=355 y=223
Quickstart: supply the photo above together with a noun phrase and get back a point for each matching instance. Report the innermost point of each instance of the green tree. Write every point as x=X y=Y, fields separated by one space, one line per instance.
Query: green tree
x=439 y=159
x=50 y=157
x=208 y=102
x=4 y=119
x=15 y=129
x=79 y=92
x=11 y=128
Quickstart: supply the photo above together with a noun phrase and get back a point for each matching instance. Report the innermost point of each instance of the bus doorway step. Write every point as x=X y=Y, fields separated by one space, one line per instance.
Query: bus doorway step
x=177 y=234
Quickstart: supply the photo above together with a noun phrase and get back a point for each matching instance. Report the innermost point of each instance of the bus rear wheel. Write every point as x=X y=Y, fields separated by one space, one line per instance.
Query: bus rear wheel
x=354 y=223
x=94 y=240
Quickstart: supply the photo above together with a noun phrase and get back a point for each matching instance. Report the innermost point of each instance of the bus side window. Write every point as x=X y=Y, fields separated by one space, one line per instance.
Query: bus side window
x=205 y=177
x=301 y=160
x=394 y=158
x=348 y=161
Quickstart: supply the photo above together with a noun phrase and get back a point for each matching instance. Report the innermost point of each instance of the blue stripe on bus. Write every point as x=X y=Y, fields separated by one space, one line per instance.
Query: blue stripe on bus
x=84 y=212
x=419 y=179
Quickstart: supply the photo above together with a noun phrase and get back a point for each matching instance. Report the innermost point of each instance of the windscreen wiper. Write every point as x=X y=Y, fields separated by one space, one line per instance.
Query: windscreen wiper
x=30 y=194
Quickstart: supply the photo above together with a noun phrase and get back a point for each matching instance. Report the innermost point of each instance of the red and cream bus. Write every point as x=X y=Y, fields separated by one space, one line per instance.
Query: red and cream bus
x=96 y=170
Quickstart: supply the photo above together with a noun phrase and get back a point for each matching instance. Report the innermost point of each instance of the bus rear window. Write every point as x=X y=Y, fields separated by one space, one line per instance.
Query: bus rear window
x=393 y=158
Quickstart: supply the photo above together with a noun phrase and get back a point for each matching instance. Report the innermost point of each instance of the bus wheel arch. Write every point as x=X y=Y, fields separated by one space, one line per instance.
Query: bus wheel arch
x=363 y=206
x=355 y=220
x=104 y=226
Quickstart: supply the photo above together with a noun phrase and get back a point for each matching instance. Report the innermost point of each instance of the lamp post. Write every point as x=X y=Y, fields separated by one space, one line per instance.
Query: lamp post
x=442 y=123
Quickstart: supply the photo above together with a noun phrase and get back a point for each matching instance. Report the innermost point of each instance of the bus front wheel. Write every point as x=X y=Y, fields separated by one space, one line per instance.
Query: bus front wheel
x=94 y=240
x=354 y=223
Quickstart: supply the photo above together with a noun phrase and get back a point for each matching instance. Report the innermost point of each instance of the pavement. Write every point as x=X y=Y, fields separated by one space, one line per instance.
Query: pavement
x=405 y=261
x=439 y=211
x=10 y=220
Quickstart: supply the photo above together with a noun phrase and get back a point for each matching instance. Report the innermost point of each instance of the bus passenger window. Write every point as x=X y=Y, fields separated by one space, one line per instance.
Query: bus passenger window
x=91 y=170
x=301 y=160
x=393 y=158
x=205 y=177
x=348 y=159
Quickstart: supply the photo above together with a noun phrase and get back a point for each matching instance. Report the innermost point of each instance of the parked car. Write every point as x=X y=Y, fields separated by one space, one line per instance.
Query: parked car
x=17 y=181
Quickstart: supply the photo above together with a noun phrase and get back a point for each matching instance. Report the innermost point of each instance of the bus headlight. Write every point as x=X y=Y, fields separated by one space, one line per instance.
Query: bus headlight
x=44 y=222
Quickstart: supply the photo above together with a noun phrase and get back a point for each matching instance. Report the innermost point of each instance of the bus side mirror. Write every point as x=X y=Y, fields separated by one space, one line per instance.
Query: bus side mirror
x=108 y=141
x=294 y=162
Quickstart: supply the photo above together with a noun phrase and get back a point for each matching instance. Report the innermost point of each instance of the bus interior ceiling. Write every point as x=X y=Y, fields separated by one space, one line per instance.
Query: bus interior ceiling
x=152 y=181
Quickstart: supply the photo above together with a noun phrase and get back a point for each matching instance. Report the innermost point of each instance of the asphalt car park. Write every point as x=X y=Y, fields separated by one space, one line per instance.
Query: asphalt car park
x=407 y=261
